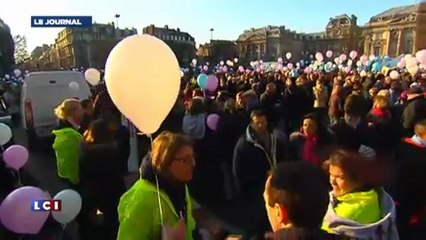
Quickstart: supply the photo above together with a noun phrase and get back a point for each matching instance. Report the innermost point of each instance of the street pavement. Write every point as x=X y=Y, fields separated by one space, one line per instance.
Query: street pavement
x=42 y=167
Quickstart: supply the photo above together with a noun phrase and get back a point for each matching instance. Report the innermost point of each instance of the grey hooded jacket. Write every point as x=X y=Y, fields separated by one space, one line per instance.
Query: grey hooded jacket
x=385 y=229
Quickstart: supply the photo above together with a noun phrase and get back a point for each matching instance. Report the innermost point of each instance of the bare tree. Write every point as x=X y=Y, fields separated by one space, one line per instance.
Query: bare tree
x=21 y=52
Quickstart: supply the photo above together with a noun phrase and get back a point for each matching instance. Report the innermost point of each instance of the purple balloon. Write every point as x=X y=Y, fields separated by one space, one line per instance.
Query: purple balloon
x=16 y=212
x=212 y=83
x=16 y=156
x=212 y=121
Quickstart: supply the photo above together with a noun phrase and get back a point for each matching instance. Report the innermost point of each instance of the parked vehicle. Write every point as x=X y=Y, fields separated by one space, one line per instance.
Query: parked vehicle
x=41 y=93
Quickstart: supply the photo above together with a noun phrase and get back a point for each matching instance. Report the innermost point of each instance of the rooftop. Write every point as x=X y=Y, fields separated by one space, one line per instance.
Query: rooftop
x=394 y=12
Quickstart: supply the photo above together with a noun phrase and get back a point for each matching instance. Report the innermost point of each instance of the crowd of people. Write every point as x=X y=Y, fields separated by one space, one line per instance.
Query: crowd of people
x=298 y=156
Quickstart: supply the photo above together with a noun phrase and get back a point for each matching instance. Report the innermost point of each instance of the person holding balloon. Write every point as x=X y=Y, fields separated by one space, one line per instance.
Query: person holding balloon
x=159 y=203
x=67 y=140
x=100 y=165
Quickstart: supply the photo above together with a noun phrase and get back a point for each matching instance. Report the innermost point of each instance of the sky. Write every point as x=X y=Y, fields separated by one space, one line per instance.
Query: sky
x=228 y=18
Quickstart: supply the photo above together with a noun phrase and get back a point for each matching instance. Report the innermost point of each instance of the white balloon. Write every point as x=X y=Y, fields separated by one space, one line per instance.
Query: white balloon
x=5 y=134
x=17 y=72
x=413 y=69
x=71 y=206
x=288 y=55
x=7 y=76
x=133 y=86
x=93 y=76
x=74 y=86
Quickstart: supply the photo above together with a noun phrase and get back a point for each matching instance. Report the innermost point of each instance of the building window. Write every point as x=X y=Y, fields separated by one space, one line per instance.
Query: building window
x=379 y=36
x=408 y=41
x=377 y=50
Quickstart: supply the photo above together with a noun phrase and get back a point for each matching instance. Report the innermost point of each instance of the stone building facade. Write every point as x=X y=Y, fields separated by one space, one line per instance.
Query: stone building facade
x=217 y=50
x=182 y=43
x=80 y=47
x=395 y=31
x=269 y=43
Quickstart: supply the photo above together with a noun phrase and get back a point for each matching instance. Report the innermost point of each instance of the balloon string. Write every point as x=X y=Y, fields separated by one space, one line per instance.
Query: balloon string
x=61 y=234
x=19 y=178
x=150 y=141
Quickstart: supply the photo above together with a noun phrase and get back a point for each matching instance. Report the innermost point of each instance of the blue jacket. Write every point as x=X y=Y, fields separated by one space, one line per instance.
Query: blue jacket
x=252 y=162
x=194 y=125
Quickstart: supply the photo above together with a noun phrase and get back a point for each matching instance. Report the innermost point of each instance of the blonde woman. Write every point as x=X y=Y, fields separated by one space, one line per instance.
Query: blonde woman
x=67 y=140
x=160 y=199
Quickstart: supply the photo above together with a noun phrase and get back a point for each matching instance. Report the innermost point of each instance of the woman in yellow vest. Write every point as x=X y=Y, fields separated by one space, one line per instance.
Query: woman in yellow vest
x=67 y=140
x=160 y=198
x=358 y=207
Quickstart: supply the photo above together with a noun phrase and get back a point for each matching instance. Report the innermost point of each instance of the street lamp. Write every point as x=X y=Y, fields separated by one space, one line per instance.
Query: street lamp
x=211 y=34
x=117 y=16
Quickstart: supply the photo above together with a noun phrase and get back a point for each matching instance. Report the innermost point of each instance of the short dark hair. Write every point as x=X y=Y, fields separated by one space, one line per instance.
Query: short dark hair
x=301 y=189
x=355 y=105
x=196 y=106
x=345 y=136
x=257 y=113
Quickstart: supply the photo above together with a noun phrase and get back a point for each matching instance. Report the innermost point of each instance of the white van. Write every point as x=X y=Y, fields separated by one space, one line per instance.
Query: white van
x=41 y=93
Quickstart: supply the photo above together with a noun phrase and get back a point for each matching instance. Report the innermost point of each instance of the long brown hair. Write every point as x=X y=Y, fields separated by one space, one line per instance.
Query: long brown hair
x=164 y=148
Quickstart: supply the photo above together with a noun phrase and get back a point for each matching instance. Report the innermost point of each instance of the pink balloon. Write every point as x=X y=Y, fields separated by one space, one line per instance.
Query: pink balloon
x=400 y=64
x=212 y=121
x=225 y=69
x=421 y=56
x=394 y=75
x=280 y=60
x=16 y=156
x=364 y=59
x=353 y=54
x=343 y=58
x=205 y=68
x=290 y=66
x=16 y=212
x=308 y=70
x=248 y=71
x=212 y=83
x=329 y=54
x=241 y=68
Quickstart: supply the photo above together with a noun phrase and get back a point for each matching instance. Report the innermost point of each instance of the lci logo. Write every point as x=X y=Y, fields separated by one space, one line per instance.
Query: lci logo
x=61 y=21
x=46 y=205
